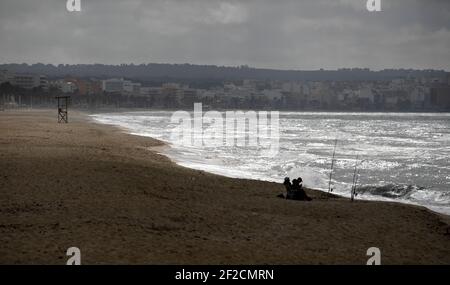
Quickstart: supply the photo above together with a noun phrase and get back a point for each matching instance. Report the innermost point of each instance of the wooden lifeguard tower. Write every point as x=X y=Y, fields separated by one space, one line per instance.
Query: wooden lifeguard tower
x=63 y=115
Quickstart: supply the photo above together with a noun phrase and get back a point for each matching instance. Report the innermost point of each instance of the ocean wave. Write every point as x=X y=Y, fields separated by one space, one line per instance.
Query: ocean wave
x=392 y=149
x=392 y=191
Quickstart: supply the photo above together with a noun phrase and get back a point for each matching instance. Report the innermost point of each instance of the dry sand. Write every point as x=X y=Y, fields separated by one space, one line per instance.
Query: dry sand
x=94 y=187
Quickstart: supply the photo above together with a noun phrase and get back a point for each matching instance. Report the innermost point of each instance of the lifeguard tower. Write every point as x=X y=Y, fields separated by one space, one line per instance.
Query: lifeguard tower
x=63 y=115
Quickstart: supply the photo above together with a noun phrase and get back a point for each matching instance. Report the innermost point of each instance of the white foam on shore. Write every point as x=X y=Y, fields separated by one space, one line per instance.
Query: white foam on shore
x=402 y=150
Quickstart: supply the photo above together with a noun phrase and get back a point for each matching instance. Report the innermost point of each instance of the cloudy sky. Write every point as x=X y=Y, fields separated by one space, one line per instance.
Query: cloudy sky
x=282 y=34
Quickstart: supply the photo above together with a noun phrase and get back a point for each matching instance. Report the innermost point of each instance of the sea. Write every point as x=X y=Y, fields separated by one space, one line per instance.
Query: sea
x=401 y=157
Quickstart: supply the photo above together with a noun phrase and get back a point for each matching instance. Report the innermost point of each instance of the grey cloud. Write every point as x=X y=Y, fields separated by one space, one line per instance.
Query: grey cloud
x=284 y=34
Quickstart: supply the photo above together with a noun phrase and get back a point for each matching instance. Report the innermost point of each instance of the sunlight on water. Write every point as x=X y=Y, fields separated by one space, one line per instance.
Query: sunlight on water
x=406 y=155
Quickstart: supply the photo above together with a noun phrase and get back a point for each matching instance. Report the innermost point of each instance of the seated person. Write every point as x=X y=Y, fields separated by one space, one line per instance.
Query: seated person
x=300 y=194
x=289 y=190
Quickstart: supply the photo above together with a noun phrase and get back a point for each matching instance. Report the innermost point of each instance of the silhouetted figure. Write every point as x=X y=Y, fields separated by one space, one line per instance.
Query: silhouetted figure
x=296 y=191
x=298 y=184
x=300 y=194
x=289 y=190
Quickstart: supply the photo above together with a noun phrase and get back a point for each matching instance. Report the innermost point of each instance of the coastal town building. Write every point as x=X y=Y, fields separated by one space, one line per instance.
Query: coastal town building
x=5 y=76
x=63 y=85
x=26 y=81
x=113 y=85
x=401 y=94
x=88 y=87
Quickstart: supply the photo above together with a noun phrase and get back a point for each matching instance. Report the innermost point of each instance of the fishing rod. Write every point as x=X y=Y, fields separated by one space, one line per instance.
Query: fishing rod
x=354 y=193
x=332 y=165
x=355 y=178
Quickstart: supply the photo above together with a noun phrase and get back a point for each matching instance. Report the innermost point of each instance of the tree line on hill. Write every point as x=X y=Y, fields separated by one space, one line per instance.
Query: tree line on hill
x=197 y=73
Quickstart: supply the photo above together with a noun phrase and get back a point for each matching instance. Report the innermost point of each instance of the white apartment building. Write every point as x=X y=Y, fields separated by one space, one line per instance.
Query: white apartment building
x=64 y=86
x=112 y=85
x=120 y=85
x=27 y=81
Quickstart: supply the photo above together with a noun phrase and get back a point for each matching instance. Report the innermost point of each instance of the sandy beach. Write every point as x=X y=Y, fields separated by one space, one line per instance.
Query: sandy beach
x=113 y=196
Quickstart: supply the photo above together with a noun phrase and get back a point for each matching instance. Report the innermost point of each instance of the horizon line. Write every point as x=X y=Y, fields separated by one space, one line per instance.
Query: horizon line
x=243 y=66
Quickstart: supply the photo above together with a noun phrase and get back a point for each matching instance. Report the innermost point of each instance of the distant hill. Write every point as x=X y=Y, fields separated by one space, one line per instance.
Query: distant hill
x=152 y=71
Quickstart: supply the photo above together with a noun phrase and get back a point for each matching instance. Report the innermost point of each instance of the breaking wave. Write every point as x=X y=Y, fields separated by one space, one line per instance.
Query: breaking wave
x=389 y=191
x=400 y=152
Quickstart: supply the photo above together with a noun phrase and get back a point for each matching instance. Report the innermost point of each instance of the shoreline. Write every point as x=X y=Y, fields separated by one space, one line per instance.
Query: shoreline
x=122 y=203
x=163 y=147
x=166 y=151
x=119 y=110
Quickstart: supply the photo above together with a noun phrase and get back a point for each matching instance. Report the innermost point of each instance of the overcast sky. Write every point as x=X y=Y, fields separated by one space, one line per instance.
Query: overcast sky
x=282 y=34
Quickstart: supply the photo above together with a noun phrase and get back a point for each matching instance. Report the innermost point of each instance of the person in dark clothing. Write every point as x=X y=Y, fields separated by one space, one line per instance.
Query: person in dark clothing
x=299 y=193
x=294 y=194
x=289 y=189
x=287 y=184
x=298 y=188
x=300 y=182
x=296 y=185
x=294 y=190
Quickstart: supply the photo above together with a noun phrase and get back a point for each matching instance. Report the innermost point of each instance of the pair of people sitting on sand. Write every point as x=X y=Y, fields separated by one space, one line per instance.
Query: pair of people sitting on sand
x=294 y=190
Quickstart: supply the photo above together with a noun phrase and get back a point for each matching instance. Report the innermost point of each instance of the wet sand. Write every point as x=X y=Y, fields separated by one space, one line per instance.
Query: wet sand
x=113 y=196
